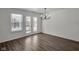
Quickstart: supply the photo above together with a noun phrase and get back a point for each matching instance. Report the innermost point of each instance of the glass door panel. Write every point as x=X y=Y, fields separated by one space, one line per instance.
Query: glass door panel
x=34 y=24
x=28 y=24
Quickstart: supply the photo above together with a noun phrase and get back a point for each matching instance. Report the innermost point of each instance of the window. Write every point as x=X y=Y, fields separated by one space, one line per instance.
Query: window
x=16 y=22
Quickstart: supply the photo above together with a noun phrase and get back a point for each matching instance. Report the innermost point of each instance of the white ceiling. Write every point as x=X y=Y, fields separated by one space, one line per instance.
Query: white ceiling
x=41 y=10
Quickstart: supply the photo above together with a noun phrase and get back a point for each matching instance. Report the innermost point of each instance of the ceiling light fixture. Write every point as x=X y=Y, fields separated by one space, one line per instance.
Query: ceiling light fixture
x=44 y=15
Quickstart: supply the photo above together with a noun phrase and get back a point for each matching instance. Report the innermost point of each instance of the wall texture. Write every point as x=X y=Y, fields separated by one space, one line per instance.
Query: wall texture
x=5 y=23
x=64 y=23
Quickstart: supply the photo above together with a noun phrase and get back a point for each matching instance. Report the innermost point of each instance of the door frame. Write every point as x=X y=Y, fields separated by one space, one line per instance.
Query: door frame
x=32 y=32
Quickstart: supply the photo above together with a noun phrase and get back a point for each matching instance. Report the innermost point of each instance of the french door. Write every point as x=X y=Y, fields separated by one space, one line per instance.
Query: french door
x=31 y=25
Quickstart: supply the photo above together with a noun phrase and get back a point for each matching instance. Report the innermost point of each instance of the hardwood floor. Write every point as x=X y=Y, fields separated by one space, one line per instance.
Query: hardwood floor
x=40 y=42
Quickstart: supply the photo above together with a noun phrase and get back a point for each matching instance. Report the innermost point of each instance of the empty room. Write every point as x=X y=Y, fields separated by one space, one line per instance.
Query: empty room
x=39 y=29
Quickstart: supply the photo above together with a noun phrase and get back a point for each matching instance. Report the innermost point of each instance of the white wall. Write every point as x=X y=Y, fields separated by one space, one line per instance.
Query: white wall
x=5 y=23
x=64 y=23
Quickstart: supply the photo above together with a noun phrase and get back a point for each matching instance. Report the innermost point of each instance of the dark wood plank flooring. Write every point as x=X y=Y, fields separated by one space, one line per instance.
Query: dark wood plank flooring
x=40 y=42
